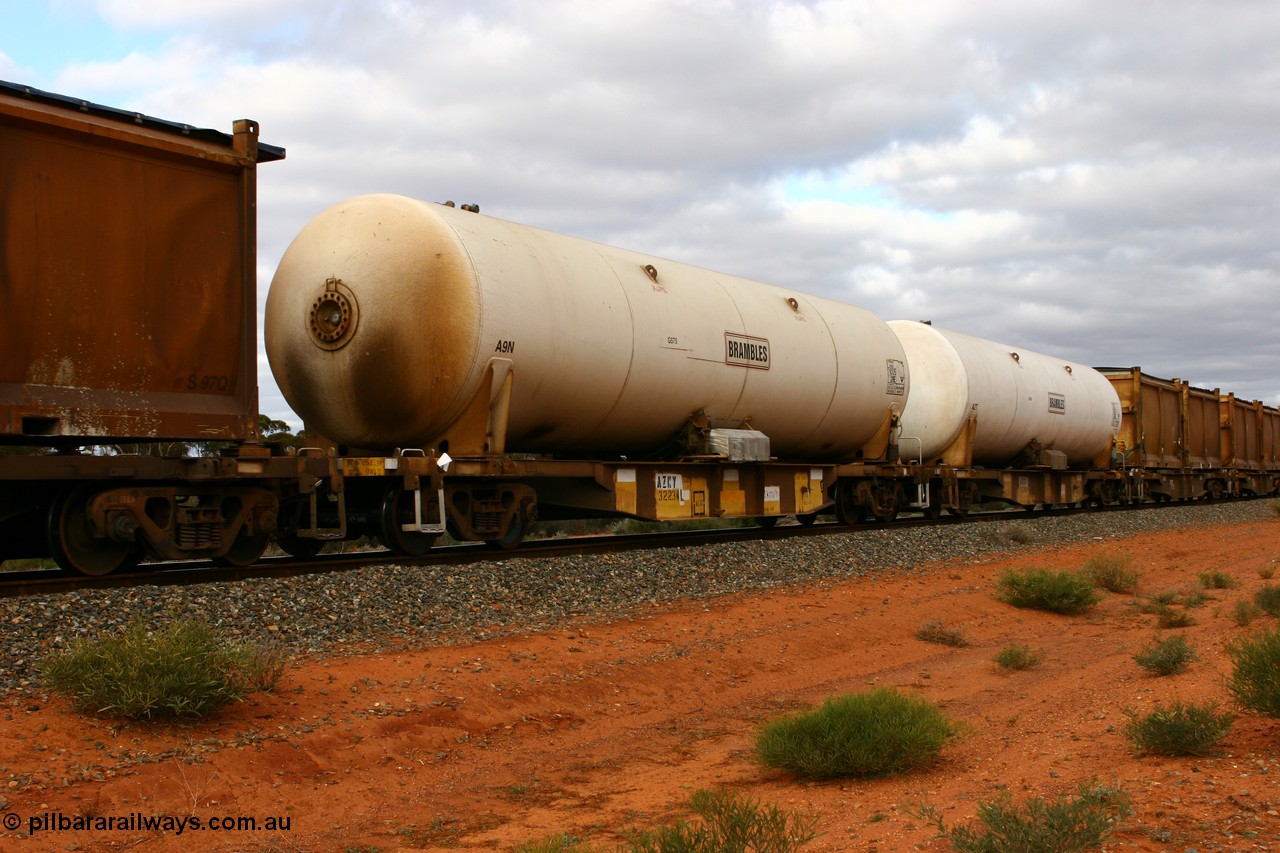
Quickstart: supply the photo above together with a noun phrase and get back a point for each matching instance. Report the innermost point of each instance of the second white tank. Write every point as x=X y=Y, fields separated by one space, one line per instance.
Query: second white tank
x=1018 y=398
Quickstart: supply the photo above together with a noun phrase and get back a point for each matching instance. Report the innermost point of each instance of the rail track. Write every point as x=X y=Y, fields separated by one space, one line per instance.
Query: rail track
x=18 y=583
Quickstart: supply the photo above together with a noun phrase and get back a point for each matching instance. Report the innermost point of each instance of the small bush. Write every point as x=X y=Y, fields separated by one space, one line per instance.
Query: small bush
x=1193 y=598
x=1216 y=579
x=1113 y=572
x=1166 y=657
x=187 y=668
x=1255 y=679
x=1167 y=617
x=937 y=632
x=1064 y=825
x=1268 y=599
x=1178 y=730
x=1042 y=589
x=730 y=823
x=1266 y=572
x=1246 y=611
x=1009 y=533
x=1016 y=656
x=862 y=734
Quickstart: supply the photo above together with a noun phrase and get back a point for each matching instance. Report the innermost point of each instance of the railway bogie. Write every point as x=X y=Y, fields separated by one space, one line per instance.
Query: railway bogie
x=99 y=514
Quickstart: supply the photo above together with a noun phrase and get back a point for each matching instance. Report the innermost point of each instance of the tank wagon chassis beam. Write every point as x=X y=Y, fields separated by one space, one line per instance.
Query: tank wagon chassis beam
x=495 y=499
x=98 y=514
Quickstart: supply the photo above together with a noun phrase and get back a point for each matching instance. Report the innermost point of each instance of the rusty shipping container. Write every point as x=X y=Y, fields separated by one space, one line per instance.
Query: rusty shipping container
x=127 y=274
x=1203 y=433
x=1241 y=433
x=1270 y=439
x=1151 y=427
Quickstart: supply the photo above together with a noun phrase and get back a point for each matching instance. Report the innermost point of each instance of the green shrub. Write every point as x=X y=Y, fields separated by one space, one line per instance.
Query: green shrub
x=1216 y=579
x=937 y=632
x=1165 y=600
x=1179 y=729
x=1167 y=617
x=1064 y=825
x=730 y=823
x=1166 y=657
x=1043 y=589
x=1268 y=599
x=1009 y=533
x=1246 y=611
x=1161 y=599
x=872 y=733
x=1255 y=679
x=187 y=668
x=1113 y=572
x=1016 y=656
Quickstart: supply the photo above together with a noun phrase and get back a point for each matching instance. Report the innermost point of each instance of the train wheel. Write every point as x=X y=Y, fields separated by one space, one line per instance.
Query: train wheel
x=849 y=511
x=397 y=510
x=303 y=547
x=515 y=535
x=967 y=496
x=245 y=551
x=1102 y=494
x=767 y=520
x=887 y=501
x=806 y=519
x=72 y=543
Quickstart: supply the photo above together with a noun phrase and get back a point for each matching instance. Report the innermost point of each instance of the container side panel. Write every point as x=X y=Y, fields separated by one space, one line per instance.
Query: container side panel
x=1204 y=444
x=122 y=287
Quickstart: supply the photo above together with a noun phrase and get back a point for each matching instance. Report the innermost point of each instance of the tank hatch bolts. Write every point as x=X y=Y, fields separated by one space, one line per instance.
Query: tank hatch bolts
x=333 y=315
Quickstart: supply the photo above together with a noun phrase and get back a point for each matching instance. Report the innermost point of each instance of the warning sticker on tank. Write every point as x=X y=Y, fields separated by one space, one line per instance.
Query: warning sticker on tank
x=746 y=351
x=1057 y=403
x=895 y=377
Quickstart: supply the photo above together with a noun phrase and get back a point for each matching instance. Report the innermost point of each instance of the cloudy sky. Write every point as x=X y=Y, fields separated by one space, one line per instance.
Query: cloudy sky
x=1097 y=180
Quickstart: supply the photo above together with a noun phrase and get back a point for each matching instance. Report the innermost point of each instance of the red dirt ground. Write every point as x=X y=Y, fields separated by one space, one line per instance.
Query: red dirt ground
x=600 y=727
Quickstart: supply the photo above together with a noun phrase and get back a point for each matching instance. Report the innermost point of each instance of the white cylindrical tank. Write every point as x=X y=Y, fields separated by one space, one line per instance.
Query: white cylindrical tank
x=1018 y=396
x=385 y=313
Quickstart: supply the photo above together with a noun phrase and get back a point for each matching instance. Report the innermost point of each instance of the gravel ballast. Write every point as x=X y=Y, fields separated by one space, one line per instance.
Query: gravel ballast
x=379 y=606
